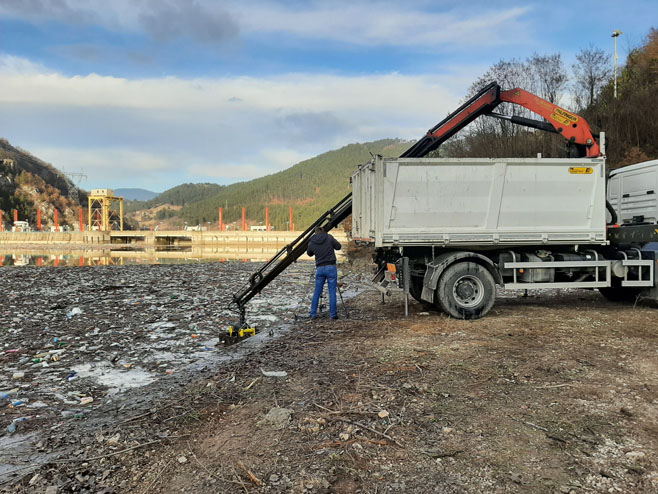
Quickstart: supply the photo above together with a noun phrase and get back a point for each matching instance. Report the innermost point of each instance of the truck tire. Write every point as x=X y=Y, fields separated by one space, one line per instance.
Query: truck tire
x=466 y=290
x=416 y=288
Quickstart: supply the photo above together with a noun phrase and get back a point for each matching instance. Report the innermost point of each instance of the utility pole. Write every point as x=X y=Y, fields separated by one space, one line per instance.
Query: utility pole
x=615 y=35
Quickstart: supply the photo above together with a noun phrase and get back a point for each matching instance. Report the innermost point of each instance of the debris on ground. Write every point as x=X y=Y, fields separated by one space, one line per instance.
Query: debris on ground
x=554 y=393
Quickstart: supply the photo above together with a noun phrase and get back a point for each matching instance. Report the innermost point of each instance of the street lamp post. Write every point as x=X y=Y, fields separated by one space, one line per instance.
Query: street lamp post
x=615 y=35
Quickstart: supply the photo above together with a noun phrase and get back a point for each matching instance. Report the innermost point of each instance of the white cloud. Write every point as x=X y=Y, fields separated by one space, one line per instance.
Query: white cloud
x=388 y=23
x=281 y=159
x=169 y=130
x=11 y=64
x=286 y=93
x=368 y=23
x=110 y=165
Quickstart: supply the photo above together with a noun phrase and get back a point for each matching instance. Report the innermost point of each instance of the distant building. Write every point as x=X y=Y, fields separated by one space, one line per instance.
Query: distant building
x=197 y=228
x=20 y=226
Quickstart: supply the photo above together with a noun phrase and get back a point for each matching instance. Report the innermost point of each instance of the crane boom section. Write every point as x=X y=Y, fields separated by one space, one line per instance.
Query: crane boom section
x=289 y=254
x=483 y=103
x=572 y=127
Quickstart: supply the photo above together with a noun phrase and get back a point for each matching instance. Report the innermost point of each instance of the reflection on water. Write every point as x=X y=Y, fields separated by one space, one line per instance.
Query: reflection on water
x=170 y=254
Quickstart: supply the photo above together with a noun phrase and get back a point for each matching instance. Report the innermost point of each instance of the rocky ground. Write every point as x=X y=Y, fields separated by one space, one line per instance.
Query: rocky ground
x=130 y=393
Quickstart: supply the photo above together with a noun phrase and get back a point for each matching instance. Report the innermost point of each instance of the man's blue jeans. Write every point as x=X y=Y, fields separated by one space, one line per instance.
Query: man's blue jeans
x=329 y=273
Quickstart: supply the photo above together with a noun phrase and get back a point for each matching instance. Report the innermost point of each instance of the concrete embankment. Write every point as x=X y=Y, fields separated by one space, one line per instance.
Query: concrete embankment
x=42 y=238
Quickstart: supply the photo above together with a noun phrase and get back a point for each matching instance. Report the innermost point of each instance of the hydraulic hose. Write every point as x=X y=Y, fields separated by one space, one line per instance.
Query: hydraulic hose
x=613 y=213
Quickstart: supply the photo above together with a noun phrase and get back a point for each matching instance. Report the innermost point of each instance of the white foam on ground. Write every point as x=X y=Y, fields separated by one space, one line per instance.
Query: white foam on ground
x=116 y=379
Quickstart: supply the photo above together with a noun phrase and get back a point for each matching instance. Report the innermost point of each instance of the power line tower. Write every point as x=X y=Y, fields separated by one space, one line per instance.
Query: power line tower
x=76 y=179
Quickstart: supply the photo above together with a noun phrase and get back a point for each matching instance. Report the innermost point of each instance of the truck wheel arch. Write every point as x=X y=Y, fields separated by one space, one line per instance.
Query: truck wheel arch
x=443 y=261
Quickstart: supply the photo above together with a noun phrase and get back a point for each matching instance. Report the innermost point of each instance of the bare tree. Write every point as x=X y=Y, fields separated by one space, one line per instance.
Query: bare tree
x=591 y=73
x=550 y=76
x=543 y=75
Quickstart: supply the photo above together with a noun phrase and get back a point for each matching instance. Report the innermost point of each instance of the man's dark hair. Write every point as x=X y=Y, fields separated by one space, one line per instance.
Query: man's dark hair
x=318 y=229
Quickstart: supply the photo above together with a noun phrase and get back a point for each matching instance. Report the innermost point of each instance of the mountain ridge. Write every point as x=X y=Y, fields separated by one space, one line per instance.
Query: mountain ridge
x=135 y=194
x=310 y=187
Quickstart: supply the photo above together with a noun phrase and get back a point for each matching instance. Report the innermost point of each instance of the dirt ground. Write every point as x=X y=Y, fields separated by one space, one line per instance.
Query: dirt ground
x=555 y=393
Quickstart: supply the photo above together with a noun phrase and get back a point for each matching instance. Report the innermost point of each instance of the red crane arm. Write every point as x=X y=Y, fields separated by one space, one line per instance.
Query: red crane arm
x=572 y=127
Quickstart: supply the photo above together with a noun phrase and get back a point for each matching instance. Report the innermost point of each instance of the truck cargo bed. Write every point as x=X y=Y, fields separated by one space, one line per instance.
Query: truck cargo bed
x=479 y=202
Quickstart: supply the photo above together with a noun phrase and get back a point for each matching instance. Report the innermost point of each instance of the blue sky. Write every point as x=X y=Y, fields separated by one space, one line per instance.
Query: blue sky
x=154 y=93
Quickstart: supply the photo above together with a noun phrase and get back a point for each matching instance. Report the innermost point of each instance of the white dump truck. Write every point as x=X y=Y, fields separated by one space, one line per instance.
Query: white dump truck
x=452 y=229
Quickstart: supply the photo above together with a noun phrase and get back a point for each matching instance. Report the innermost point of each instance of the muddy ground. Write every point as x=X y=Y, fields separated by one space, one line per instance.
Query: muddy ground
x=550 y=394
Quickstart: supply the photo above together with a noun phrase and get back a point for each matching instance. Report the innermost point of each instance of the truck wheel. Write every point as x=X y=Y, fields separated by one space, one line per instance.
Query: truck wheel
x=466 y=290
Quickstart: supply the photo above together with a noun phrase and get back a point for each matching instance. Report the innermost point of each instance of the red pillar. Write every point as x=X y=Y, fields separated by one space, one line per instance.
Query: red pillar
x=221 y=219
x=82 y=222
x=292 y=227
x=15 y=215
x=244 y=220
x=39 y=220
x=56 y=259
x=267 y=219
x=56 y=220
x=40 y=261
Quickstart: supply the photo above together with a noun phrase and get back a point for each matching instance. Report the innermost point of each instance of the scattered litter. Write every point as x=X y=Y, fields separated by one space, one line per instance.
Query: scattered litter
x=274 y=373
x=114 y=440
x=278 y=417
x=79 y=351
x=6 y=394
x=76 y=311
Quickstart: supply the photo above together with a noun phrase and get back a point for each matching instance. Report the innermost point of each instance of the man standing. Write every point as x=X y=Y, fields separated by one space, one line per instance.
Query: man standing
x=322 y=246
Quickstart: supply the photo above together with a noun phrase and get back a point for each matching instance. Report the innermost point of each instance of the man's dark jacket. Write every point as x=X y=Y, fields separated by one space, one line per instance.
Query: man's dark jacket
x=322 y=246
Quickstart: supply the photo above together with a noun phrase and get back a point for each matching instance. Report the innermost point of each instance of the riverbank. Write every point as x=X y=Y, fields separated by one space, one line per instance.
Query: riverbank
x=547 y=394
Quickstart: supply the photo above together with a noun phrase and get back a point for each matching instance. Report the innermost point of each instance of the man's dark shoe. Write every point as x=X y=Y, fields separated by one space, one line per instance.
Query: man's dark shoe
x=334 y=317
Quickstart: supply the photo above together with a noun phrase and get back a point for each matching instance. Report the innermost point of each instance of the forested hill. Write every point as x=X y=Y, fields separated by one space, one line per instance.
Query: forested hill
x=180 y=195
x=28 y=184
x=310 y=187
